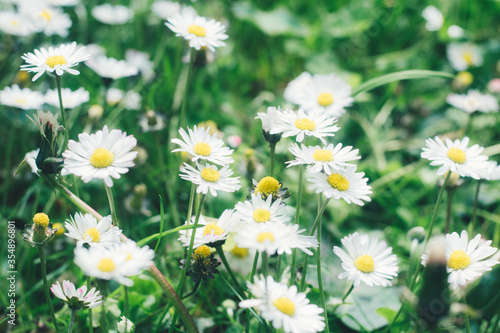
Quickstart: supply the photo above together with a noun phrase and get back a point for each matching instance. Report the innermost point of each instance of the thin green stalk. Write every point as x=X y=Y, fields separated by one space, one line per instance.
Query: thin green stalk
x=71 y=321
x=304 y=274
x=126 y=310
x=91 y=327
x=43 y=264
x=297 y=221
x=254 y=270
x=103 y=284
x=112 y=206
x=272 y=146
x=63 y=113
x=320 y=279
x=265 y=264
x=347 y=293
x=472 y=223
x=191 y=203
x=278 y=268
x=318 y=217
x=435 y=211
x=466 y=316
x=449 y=204
x=222 y=256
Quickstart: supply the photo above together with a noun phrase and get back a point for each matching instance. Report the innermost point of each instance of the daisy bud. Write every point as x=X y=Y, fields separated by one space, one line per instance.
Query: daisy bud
x=125 y=325
x=95 y=112
x=40 y=232
x=49 y=127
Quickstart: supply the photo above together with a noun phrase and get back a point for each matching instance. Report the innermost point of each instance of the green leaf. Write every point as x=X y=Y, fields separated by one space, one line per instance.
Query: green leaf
x=148 y=239
x=387 y=313
x=398 y=76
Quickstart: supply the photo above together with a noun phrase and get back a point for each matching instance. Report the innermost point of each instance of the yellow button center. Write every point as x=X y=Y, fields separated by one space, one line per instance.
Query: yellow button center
x=458 y=260
x=323 y=155
x=210 y=175
x=55 y=60
x=364 y=263
x=325 y=99
x=338 y=182
x=106 y=265
x=101 y=158
x=202 y=148
x=265 y=235
x=261 y=215
x=285 y=305
x=94 y=234
x=217 y=230
x=197 y=30
x=239 y=252
x=268 y=185
x=305 y=124
x=456 y=155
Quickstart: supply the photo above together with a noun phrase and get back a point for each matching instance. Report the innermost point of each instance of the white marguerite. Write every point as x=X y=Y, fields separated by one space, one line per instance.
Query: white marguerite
x=125 y=325
x=214 y=230
x=56 y=60
x=15 y=24
x=111 y=68
x=198 y=30
x=284 y=306
x=368 y=261
x=71 y=99
x=466 y=260
x=434 y=18
x=86 y=229
x=152 y=121
x=289 y=123
x=137 y=258
x=259 y=210
x=464 y=55
x=210 y=178
x=167 y=9
x=267 y=118
x=76 y=298
x=492 y=172
x=64 y=3
x=45 y=18
x=344 y=183
x=327 y=159
x=141 y=61
x=454 y=31
x=294 y=88
x=455 y=156
x=202 y=146
x=24 y=98
x=274 y=238
x=112 y=14
x=103 y=155
x=473 y=101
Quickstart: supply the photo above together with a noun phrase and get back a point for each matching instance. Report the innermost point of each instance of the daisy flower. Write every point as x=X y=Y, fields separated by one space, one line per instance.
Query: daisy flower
x=138 y=258
x=25 y=98
x=344 y=183
x=492 y=172
x=111 y=68
x=125 y=325
x=473 y=101
x=209 y=178
x=274 y=238
x=214 y=232
x=455 y=156
x=47 y=19
x=466 y=260
x=198 y=30
x=284 y=306
x=454 y=31
x=152 y=121
x=15 y=24
x=368 y=261
x=433 y=17
x=203 y=146
x=464 y=55
x=294 y=89
x=269 y=186
x=141 y=61
x=241 y=259
x=168 y=9
x=110 y=14
x=259 y=210
x=76 y=298
x=104 y=155
x=59 y=60
x=71 y=99
x=86 y=229
x=289 y=123
x=327 y=158
x=267 y=118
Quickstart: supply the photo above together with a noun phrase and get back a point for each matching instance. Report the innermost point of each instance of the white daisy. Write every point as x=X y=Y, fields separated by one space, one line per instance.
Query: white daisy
x=203 y=146
x=368 y=261
x=455 y=156
x=466 y=260
x=464 y=55
x=267 y=118
x=76 y=298
x=473 y=101
x=433 y=17
x=71 y=99
x=240 y=259
x=64 y=2
x=168 y=9
x=329 y=158
x=141 y=61
x=209 y=178
x=86 y=229
x=214 y=230
x=274 y=238
x=284 y=306
x=454 y=31
x=47 y=19
x=259 y=210
x=289 y=123
x=111 y=68
x=152 y=121
x=104 y=155
x=59 y=60
x=137 y=258
x=294 y=89
x=492 y=172
x=25 y=98
x=15 y=24
x=30 y=158
x=198 y=30
x=110 y=14
x=125 y=325
x=343 y=183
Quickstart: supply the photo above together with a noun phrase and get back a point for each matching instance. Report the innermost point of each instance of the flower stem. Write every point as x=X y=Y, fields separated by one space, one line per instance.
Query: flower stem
x=318 y=217
x=435 y=211
x=71 y=321
x=449 y=204
x=320 y=278
x=278 y=268
x=112 y=206
x=91 y=327
x=304 y=274
x=254 y=270
x=297 y=221
x=265 y=264
x=466 y=316
x=222 y=256
x=348 y=292
x=43 y=264
x=272 y=146
x=63 y=113
x=470 y=229
x=126 y=306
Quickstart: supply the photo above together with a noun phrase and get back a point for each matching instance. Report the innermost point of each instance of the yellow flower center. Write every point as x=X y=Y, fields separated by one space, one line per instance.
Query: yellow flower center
x=21 y=101
x=325 y=99
x=456 y=155
x=261 y=215
x=239 y=252
x=45 y=14
x=106 y=265
x=94 y=234
x=365 y=263
x=101 y=158
x=458 y=260
x=210 y=175
x=60 y=228
x=218 y=230
x=202 y=148
x=465 y=78
x=129 y=256
x=14 y=23
x=323 y=155
x=338 y=182
x=41 y=219
x=285 y=305
x=268 y=185
x=55 y=60
x=197 y=30
x=305 y=124
x=467 y=57
x=202 y=252
x=261 y=237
